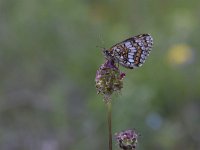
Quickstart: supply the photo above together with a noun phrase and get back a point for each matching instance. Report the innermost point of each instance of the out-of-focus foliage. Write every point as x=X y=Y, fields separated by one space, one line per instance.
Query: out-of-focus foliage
x=48 y=62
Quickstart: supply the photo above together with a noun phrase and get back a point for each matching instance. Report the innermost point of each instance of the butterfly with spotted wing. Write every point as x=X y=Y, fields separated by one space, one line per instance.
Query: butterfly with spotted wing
x=132 y=52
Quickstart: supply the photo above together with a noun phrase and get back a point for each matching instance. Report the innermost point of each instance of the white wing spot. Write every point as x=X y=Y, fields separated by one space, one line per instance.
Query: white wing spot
x=140 y=44
x=131 y=53
x=130 y=56
x=139 y=65
x=130 y=60
x=118 y=50
x=143 y=56
x=133 y=49
x=143 y=48
x=137 y=41
x=128 y=44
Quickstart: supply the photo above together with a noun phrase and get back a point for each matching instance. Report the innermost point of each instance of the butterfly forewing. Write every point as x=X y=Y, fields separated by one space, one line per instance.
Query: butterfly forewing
x=132 y=52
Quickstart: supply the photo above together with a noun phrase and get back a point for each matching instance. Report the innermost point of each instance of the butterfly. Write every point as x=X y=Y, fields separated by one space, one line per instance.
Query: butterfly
x=132 y=52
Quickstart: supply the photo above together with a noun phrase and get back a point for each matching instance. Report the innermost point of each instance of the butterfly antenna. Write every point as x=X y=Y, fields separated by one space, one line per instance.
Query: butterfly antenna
x=102 y=42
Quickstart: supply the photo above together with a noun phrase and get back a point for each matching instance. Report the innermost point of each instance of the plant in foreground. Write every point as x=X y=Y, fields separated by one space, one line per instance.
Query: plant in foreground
x=127 y=140
x=109 y=80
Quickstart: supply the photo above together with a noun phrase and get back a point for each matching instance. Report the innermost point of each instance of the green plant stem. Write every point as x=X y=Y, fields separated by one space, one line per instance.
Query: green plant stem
x=109 y=124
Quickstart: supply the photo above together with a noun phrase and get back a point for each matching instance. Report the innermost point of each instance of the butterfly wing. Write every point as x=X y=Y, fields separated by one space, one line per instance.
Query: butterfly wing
x=132 y=53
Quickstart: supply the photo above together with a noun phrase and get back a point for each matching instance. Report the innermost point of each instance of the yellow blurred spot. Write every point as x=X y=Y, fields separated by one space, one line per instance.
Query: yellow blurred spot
x=179 y=54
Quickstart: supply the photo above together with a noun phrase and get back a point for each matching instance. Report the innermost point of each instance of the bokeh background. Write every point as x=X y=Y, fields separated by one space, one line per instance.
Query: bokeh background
x=48 y=61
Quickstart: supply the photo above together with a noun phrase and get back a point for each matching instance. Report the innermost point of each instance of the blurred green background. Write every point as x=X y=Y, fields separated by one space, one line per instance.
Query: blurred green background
x=48 y=62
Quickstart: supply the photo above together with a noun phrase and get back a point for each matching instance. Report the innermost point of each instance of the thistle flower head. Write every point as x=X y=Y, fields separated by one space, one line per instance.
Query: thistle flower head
x=127 y=140
x=108 y=79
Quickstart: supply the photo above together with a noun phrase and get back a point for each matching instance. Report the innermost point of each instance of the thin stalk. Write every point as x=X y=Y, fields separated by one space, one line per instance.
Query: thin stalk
x=109 y=124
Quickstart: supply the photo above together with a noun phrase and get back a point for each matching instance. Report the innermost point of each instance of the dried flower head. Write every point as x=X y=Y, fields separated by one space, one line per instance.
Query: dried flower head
x=127 y=140
x=108 y=79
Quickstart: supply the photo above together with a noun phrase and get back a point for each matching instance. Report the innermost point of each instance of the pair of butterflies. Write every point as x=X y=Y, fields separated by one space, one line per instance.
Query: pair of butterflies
x=132 y=52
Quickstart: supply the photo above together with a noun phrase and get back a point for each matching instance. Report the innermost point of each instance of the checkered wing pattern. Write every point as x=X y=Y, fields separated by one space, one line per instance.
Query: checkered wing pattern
x=132 y=52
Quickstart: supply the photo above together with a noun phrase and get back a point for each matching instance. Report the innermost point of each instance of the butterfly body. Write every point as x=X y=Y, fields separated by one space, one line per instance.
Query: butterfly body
x=131 y=53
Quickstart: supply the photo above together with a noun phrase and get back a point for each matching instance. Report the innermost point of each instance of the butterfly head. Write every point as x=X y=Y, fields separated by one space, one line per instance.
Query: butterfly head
x=107 y=54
